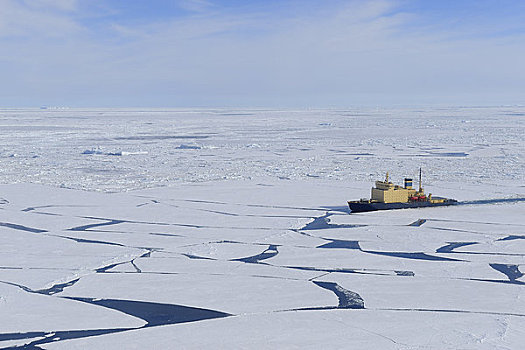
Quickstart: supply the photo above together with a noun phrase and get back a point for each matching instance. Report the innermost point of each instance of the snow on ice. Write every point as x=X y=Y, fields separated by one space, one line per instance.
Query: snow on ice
x=230 y=229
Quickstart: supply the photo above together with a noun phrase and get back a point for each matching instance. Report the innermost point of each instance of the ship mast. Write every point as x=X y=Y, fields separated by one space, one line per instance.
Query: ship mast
x=420 y=188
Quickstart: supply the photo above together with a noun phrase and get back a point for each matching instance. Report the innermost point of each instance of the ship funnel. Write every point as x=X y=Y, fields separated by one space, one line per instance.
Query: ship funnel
x=408 y=183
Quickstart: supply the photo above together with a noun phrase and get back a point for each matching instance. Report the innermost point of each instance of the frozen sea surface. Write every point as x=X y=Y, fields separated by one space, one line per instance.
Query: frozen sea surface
x=116 y=150
x=228 y=229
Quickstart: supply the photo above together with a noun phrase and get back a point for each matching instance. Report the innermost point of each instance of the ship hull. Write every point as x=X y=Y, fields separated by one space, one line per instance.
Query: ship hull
x=359 y=207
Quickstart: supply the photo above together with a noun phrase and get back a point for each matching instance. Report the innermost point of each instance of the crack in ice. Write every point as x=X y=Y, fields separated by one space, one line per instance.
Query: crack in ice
x=270 y=252
x=347 y=298
x=22 y=227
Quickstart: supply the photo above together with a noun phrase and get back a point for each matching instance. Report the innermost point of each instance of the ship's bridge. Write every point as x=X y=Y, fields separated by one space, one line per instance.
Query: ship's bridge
x=383 y=185
x=387 y=192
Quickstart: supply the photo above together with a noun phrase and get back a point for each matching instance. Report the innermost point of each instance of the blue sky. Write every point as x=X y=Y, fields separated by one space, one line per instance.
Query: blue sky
x=204 y=53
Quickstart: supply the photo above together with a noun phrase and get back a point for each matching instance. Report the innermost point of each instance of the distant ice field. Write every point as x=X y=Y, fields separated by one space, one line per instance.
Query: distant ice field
x=167 y=229
x=119 y=150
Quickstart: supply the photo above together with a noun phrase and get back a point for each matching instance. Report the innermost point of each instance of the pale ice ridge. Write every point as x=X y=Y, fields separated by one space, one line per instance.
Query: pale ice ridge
x=119 y=150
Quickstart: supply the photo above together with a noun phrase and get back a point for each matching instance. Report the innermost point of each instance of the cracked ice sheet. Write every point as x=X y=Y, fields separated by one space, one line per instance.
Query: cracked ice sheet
x=372 y=263
x=482 y=219
x=423 y=240
x=133 y=238
x=400 y=238
x=496 y=248
x=26 y=312
x=194 y=241
x=434 y=293
x=234 y=294
x=279 y=204
x=201 y=203
x=37 y=223
x=182 y=265
x=501 y=214
x=53 y=258
x=245 y=196
x=338 y=329
x=224 y=251
x=160 y=217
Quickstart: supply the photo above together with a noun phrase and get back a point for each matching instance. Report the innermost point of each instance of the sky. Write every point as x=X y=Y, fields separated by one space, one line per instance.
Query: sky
x=261 y=53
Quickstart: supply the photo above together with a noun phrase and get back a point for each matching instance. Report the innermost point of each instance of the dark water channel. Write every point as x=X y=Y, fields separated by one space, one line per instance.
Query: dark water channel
x=154 y=314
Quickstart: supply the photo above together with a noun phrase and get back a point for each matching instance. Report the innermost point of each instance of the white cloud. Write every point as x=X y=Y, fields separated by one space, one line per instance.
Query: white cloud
x=34 y=19
x=353 y=53
x=195 y=5
x=61 y=5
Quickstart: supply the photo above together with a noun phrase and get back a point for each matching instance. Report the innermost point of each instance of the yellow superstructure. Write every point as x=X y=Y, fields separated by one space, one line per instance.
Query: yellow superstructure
x=386 y=192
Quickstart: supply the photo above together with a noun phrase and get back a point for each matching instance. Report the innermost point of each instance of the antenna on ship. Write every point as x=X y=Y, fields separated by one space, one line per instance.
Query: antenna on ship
x=420 y=188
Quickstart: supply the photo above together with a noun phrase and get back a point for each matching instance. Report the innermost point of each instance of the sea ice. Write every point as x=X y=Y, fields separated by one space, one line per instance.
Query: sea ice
x=245 y=240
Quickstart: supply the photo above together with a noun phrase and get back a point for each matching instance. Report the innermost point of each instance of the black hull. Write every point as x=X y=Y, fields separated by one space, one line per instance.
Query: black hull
x=359 y=207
